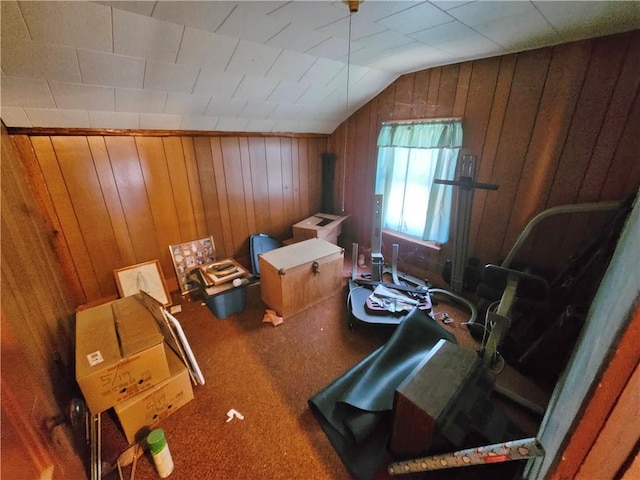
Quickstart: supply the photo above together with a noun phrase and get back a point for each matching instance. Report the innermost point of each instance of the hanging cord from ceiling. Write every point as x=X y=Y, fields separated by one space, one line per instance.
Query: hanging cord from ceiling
x=354 y=5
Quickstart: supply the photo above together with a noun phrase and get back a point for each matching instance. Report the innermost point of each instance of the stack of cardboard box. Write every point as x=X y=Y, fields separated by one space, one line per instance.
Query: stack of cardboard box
x=123 y=362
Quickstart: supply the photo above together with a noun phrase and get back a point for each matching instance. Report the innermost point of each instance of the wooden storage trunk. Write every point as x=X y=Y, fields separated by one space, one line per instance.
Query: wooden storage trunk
x=297 y=276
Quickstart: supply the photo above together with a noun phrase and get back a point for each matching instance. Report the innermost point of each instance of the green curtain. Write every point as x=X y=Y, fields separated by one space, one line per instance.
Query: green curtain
x=418 y=152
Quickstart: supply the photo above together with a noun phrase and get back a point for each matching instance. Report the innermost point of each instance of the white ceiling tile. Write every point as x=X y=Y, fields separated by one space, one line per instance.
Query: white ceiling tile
x=447 y=32
x=471 y=46
x=14 y=117
x=252 y=58
x=26 y=92
x=585 y=19
x=519 y=31
x=12 y=21
x=118 y=120
x=206 y=49
x=98 y=68
x=147 y=101
x=385 y=40
x=322 y=72
x=365 y=56
x=296 y=38
x=75 y=96
x=245 y=22
x=287 y=110
x=449 y=4
x=310 y=14
x=225 y=107
x=290 y=65
x=260 y=110
x=204 y=15
x=416 y=57
x=255 y=88
x=416 y=18
x=170 y=77
x=77 y=24
x=260 y=125
x=25 y=58
x=190 y=122
x=333 y=48
x=58 y=118
x=184 y=104
x=226 y=124
x=376 y=10
x=158 y=121
x=288 y=92
x=355 y=73
x=213 y=82
x=476 y=13
x=360 y=27
x=142 y=7
x=315 y=95
x=140 y=36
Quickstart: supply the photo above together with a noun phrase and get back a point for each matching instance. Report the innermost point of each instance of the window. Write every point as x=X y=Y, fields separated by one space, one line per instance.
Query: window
x=410 y=156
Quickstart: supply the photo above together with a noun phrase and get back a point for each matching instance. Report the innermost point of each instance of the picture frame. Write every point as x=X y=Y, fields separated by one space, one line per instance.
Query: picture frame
x=189 y=255
x=174 y=336
x=143 y=277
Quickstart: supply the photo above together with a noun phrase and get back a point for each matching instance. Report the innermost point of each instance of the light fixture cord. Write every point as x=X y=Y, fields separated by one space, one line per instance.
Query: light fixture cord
x=346 y=112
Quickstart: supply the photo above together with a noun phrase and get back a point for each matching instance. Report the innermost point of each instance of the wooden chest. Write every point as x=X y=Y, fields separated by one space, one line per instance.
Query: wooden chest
x=297 y=276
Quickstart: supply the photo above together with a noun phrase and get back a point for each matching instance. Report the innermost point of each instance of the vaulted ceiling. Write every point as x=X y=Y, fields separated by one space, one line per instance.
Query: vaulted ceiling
x=254 y=66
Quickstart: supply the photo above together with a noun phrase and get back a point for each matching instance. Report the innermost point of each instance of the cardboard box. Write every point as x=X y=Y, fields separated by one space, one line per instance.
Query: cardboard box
x=119 y=352
x=297 y=276
x=144 y=411
x=321 y=225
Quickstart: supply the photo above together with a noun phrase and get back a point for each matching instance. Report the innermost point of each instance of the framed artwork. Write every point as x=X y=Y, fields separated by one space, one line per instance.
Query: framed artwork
x=186 y=256
x=144 y=277
x=175 y=337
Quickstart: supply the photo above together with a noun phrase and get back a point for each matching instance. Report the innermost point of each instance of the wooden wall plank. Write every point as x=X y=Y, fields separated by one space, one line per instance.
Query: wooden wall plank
x=153 y=164
x=83 y=189
x=567 y=69
x=403 y=97
x=462 y=89
x=64 y=209
x=487 y=156
x=247 y=189
x=602 y=461
x=257 y=153
x=447 y=90
x=600 y=80
x=234 y=188
x=133 y=197
x=225 y=237
x=209 y=192
x=191 y=166
x=287 y=186
x=112 y=200
x=275 y=187
x=304 y=172
x=55 y=234
x=432 y=95
x=179 y=181
x=420 y=92
x=528 y=81
x=295 y=174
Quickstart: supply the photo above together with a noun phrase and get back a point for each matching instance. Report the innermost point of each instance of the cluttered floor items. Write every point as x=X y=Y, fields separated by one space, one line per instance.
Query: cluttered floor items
x=374 y=398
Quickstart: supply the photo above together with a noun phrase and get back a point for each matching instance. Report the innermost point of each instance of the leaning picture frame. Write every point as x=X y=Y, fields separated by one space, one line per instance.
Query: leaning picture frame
x=189 y=255
x=143 y=277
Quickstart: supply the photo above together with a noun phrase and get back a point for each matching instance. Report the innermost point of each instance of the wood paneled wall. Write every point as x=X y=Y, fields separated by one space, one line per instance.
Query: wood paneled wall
x=121 y=200
x=37 y=334
x=552 y=126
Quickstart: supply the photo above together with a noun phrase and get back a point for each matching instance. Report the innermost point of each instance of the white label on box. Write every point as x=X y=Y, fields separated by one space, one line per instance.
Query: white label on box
x=95 y=358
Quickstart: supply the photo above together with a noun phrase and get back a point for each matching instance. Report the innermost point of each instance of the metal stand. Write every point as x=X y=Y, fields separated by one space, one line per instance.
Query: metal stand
x=377 y=259
x=463 y=216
